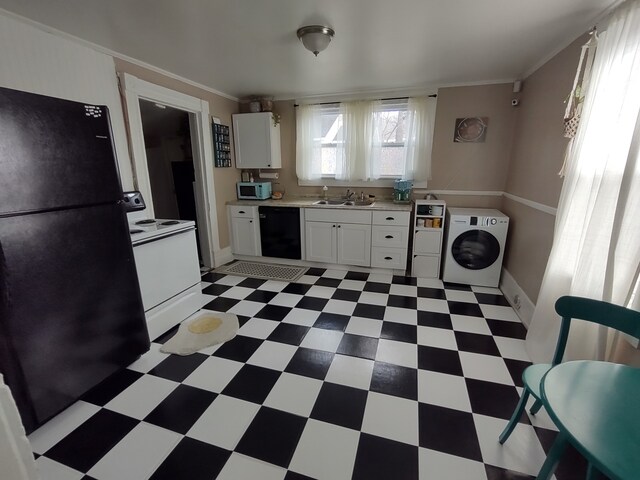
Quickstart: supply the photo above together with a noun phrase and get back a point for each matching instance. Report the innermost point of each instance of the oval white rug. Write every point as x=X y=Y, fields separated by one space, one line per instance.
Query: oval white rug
x=203 y=331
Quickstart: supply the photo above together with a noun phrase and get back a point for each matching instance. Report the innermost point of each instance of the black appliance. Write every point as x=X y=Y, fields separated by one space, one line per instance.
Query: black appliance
x=280 y=232
x=70 y=306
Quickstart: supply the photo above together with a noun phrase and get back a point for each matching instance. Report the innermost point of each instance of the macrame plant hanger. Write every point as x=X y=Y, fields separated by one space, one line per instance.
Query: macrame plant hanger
x=576 y=97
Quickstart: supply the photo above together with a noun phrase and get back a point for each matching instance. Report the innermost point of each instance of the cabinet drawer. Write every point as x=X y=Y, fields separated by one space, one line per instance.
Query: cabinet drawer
x=241 y=211
x=391 y=218
x=395 y=237
x=337 y=216
x=395 y=258
x=427 y=242
x=426 y=266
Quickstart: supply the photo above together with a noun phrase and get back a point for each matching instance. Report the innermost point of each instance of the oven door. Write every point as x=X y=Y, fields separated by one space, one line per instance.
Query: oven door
x=166 y=266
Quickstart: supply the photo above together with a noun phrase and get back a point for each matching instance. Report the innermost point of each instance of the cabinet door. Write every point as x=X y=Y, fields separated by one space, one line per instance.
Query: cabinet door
x=257 y=141
x=354 y=244
x=320 y=241
x=427 y=241
x=244 y=233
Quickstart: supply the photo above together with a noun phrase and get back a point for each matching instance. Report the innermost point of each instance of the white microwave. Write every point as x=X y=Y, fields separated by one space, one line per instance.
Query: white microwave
x=253 y=190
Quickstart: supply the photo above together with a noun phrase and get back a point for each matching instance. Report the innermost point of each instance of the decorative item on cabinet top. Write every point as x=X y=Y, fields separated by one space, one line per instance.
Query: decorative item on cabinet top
x=221 y=146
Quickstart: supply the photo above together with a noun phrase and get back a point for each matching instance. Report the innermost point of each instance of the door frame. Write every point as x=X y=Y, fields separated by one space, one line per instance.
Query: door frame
x=135 y=90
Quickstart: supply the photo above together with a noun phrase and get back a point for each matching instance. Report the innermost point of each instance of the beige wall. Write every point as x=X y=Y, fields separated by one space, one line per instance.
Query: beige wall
x=536 y=158
x=472 y=166
x=224 y=178
x=456 y=166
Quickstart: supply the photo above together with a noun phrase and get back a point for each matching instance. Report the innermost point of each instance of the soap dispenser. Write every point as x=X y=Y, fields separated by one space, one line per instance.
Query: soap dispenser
x=324 y=192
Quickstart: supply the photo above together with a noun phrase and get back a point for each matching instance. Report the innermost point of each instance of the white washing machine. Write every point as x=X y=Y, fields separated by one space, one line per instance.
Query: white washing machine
x=474 y=246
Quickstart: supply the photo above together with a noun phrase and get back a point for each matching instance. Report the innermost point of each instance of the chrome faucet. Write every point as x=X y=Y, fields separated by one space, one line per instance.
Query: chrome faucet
x=349 y=194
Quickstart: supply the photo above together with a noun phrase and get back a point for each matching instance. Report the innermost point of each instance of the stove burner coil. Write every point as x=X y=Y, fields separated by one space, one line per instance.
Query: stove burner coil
x=170 y=222
x=136 y=230
x=145 y=222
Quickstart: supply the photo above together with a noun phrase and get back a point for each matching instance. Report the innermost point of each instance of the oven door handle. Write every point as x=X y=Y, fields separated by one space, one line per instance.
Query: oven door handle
x=160 y=237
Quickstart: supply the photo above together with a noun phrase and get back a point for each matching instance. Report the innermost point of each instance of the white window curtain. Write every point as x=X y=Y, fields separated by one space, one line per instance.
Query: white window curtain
x=309 y=142
x=355 y=156
x=596 y=247
x=420 y=121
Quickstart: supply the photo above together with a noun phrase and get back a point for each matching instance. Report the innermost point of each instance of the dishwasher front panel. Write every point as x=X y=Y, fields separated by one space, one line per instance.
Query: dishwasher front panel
x=280 y=232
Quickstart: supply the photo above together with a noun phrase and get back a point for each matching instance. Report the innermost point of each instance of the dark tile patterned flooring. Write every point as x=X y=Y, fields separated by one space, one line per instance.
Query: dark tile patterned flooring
x=339 y=375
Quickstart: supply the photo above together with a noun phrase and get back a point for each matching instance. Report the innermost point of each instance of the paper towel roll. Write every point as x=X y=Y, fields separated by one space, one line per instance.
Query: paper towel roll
x=269 y=175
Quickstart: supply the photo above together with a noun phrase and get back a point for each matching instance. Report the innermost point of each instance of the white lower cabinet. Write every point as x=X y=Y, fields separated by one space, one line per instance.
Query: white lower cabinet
x=390 y=240
x=354 y=244
x=245 y=230
x=321 y=242
x=343 y=243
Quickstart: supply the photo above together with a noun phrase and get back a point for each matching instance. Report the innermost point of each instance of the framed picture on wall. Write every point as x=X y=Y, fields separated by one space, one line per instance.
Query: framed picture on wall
x=470 y=129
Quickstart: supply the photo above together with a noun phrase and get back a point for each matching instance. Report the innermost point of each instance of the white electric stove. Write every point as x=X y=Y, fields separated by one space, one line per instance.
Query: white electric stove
x=150 y=228
x=168 y=269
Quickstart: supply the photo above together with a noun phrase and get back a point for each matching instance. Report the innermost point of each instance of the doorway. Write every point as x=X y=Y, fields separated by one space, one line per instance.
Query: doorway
x=141 y=95
x=168 y=145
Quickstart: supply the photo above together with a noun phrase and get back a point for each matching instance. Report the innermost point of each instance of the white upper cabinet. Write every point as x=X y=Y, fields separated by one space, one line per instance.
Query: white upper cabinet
x=257 y=140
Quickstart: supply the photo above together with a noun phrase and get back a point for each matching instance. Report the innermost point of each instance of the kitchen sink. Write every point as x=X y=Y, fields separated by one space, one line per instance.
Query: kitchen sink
x=329 y=202
x=346 y=203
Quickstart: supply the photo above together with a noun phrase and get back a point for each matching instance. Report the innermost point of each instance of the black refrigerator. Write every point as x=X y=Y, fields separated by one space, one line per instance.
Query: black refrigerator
x=70 y=307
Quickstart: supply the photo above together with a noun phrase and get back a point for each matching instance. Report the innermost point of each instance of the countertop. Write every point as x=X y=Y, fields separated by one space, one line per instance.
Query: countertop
x=306 y=202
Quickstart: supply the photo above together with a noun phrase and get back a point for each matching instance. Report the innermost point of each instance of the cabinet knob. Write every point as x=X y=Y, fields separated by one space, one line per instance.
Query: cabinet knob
x=388 y=258
x=389 y=236
x=334 y=226
x=268 y=164
x=338 y=226
x=250 y=221
x=390 y=218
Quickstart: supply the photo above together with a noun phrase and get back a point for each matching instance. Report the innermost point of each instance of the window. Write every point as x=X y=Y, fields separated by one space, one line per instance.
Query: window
x=389 y=130
x=365 y=141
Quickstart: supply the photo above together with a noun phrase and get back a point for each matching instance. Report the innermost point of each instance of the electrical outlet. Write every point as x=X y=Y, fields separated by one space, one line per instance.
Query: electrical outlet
x=516 y=301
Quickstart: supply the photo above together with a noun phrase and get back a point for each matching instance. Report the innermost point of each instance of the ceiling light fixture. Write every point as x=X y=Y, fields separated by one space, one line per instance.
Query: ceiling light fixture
x=315 y=38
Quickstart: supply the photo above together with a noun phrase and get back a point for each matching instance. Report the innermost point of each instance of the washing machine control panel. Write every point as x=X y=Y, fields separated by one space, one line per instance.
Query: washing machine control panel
x=485 y=221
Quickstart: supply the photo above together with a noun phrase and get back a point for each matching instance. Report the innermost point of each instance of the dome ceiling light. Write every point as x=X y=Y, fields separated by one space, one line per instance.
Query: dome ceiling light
x=315 y=38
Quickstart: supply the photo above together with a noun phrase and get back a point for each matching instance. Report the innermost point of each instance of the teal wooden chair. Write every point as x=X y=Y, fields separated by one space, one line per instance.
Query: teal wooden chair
x=568 y=307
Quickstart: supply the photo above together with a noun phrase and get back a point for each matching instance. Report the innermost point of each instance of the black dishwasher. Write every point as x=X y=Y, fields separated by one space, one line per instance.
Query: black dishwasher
x=280 y=232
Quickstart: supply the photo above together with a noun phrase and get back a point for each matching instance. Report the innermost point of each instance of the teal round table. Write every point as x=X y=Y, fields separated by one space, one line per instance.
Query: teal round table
x=596 y=407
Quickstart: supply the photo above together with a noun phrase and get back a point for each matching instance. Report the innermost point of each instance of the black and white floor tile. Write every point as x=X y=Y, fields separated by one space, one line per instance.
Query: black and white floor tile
x=340 y=375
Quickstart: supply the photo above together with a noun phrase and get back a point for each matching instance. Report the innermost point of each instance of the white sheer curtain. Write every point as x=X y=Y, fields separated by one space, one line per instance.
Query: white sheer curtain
x=421 y=113
x=596 y=247
x=354 y=158
x=309 y=142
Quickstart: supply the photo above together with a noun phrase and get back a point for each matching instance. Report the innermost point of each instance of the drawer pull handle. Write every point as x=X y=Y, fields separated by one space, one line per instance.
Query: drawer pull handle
x=390 y=218
x=241 y=211
x=388 y=258
x=389 y=236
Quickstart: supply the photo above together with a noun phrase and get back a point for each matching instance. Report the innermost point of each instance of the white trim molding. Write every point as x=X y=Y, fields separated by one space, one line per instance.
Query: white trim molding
x=516 y=297
x=491 y=193
x=223 y=256
x=135 y=90
x=530 y=203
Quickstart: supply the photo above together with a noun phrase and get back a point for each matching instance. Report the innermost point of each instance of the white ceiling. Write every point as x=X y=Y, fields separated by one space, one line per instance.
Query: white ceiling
x=245 y=47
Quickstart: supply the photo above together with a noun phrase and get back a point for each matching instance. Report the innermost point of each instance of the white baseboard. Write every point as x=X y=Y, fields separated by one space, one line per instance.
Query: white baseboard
x=223 y=256
x=517 y=298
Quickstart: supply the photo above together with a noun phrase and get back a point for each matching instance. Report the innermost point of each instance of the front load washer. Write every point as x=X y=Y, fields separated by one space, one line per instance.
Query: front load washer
x=474 y=246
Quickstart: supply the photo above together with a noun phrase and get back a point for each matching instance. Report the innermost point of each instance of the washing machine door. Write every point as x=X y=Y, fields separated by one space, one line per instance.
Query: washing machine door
x=475 y=249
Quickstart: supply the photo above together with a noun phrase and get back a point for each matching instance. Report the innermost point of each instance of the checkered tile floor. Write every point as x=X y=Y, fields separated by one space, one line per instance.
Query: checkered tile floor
x=340 y=375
